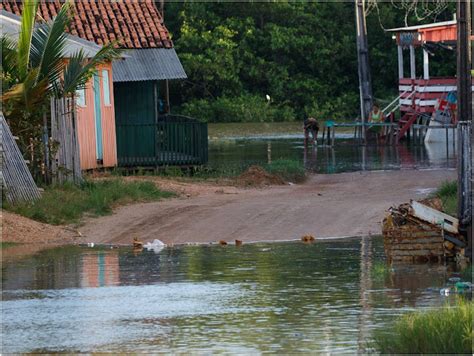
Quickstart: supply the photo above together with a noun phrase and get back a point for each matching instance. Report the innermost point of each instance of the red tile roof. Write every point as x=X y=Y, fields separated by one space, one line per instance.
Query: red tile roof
x=134 y=23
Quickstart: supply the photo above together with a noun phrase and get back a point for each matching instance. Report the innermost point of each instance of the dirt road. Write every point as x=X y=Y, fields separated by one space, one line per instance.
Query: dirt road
x=347 y=204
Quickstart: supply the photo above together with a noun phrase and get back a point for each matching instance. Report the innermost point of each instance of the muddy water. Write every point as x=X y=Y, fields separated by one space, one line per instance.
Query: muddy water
x=281 y=297
x=239 y=145
x=345 y=156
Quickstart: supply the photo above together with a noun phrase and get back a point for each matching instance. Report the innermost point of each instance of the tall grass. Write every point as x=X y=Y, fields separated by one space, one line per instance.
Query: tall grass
x=68 y=203
x=447 y=192
x=447 y=330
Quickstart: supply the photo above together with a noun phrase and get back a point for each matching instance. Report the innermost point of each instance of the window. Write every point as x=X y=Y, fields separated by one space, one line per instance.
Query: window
x=81 y=97
x=106 y=86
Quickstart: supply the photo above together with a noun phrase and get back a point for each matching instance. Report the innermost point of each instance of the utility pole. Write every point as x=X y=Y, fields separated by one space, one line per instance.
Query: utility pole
x=464 y=114
x=365 y=82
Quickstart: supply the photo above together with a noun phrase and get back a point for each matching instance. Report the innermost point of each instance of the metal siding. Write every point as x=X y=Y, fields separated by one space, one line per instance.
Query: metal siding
x=148 y=64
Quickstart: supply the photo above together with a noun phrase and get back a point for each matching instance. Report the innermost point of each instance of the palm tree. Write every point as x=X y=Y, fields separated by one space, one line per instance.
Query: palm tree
x=34 y=70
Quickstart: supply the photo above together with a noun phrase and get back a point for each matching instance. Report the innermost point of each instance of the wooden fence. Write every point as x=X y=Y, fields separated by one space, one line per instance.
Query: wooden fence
x=65 y=165
x=17 y=182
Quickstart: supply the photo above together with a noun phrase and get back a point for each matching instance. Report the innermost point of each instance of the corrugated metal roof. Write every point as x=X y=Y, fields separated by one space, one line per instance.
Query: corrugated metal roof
x=421 y=27
x=10 y=25
x=148 y=64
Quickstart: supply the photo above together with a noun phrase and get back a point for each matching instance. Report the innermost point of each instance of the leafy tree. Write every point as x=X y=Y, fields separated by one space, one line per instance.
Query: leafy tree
x=302 y=54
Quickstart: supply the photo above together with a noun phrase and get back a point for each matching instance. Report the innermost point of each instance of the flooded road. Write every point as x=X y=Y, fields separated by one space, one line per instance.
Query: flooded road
x=243 y=144
x=270 y=297
x=345 y=156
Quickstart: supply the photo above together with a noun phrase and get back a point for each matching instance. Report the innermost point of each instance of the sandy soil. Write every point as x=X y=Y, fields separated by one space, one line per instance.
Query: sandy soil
x=16 y=228
x=348 y=204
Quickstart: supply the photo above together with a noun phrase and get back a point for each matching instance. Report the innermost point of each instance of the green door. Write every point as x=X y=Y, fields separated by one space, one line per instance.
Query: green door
x=98 y=118
x=135 y=123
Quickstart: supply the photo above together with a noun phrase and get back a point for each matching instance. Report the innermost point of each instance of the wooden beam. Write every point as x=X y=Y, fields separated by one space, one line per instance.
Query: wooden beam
x=426 y=65
x=400 y=61
x=412 y=62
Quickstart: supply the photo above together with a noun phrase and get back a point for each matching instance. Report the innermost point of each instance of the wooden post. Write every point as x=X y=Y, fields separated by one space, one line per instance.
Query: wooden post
x=365 y=82
x=400 y=61
x=426 y=65
x=412 y=62
x=464 y=114
x=167 y=96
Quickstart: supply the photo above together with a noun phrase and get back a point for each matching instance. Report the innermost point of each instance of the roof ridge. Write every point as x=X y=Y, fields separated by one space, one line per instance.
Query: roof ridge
x=135 y=24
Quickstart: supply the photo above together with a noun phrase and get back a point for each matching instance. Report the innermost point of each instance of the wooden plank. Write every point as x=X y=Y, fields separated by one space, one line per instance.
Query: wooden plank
x=435 y=217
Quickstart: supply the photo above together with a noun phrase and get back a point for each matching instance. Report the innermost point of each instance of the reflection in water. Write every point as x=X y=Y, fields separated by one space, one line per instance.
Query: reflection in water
x=344 y=156
x=100 y=269
x=279 y=297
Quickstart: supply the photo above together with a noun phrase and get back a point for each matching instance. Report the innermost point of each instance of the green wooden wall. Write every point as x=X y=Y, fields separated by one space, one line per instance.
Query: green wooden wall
x=134 y=113
x=145 y=140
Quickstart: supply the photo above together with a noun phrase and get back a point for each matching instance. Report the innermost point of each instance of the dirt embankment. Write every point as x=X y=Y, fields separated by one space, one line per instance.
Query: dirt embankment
x=16 y=228
x=347 y=204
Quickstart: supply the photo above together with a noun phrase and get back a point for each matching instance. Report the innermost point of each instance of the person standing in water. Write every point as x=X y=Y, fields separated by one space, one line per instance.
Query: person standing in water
x=311 y=126
x=376 y=116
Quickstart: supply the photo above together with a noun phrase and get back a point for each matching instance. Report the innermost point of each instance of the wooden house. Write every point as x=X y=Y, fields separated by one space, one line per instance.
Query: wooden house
x=423 y=94
x=146 y=133
x=95 y=103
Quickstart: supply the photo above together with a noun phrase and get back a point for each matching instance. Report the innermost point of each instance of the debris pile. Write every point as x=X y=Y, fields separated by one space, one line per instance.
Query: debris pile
x=257 y=176
x=416 y=232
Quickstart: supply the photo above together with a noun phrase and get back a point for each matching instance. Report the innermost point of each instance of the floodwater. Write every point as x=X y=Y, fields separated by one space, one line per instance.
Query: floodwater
x=326 y=297
x=240 y=145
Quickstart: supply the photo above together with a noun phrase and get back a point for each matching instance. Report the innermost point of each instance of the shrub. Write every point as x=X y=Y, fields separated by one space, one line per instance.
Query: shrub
x=442 y=331
x=447 y=192
x=244 y=108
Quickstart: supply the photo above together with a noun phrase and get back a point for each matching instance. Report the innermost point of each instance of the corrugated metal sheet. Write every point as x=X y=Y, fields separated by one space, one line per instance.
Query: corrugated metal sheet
x=148 y=64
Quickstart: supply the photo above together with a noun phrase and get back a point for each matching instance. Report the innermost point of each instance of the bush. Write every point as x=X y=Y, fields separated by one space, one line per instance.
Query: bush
x=68 y=203
x=245 y=108
x=443 y=331
x=448 y=193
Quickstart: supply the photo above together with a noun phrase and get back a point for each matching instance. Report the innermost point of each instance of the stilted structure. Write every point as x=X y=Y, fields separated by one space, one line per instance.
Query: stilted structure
x=427 y=103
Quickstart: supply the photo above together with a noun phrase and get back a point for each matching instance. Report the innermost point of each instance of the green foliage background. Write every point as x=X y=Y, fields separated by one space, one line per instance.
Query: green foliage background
x=302 y=54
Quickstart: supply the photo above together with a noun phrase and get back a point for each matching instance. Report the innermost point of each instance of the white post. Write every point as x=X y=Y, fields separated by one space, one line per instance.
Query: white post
x=400 y=62
x=426 y=65
x=412 y=62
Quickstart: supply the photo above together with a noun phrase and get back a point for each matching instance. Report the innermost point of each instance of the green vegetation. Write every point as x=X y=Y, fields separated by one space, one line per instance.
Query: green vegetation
x=299 y=53
x=447 y=192
x=68 y=203
x=447 y=330
x=380 y=270
x=288 y=170
x=6 y=244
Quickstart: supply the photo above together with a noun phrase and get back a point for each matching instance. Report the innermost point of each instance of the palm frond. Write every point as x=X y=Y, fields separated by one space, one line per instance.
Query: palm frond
x=9 y=62
x=47 y=46
x=30 y=8
x=80 y=69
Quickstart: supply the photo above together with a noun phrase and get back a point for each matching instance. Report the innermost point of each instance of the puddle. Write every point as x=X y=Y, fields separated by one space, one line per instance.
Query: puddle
x=325 y=297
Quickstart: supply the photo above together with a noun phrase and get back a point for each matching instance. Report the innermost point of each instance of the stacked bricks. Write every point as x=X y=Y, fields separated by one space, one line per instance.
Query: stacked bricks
x=415 y=241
